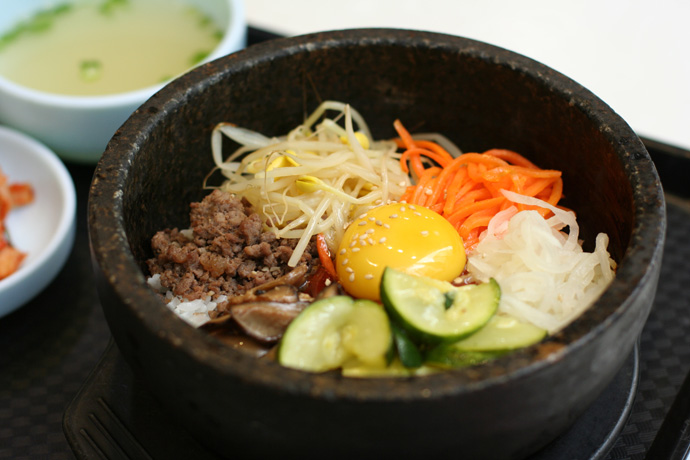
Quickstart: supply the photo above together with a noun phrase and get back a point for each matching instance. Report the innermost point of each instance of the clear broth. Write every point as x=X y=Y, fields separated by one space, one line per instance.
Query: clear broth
x=105 y=47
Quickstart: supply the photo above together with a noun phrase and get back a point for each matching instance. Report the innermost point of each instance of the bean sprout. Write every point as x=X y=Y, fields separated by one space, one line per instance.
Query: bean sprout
x=316 y=179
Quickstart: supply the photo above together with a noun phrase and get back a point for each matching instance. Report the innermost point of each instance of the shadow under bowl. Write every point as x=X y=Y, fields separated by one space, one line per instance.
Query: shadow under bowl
x=479 y=96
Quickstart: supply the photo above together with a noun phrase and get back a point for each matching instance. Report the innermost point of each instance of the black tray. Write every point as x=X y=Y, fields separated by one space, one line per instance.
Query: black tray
x=49 y=347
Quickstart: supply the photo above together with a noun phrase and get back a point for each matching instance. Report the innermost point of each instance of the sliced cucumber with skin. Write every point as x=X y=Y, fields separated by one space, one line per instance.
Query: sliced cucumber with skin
x=335 y=331
x=448 y=357
x=408 y=351
x=394 y=369
x=501 y=335
x=434 y=311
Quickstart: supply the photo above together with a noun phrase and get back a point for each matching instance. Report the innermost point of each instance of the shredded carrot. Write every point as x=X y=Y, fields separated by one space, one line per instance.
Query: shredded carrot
x=414 y=150
x=404 y=134
x=417 y=152
x=511 y=157
x=467 y=190
x=425 y=185
x=325 y=256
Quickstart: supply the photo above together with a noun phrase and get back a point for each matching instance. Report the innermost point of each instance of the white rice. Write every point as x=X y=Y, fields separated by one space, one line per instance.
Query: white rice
x=194 y=312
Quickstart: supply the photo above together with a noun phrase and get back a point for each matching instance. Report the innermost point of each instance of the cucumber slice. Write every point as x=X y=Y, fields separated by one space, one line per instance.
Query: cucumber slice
x=502 y=334
x=367 y=334
x=394 y=369
x=409 y=353
x=436 y=311
x=448 y=357
x=334 y=331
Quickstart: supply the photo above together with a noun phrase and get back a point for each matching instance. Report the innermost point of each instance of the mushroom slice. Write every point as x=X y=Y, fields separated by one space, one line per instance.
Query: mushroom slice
x=285 y=293
x=266 y=321
x=294 y=277
x=330 y=291
x=285 y=285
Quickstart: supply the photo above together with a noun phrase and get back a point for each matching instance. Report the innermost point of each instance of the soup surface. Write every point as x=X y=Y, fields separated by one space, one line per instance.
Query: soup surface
x=105 y=47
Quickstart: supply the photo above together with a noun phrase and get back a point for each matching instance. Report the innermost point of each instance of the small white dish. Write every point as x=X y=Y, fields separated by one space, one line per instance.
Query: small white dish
x=43 y=229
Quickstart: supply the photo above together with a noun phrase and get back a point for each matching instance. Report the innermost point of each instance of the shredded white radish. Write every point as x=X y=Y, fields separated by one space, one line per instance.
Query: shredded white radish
x=316 y=179
x=545 y=276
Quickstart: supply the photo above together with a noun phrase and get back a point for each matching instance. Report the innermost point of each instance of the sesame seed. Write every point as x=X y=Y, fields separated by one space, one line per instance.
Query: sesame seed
x=355 y=249
x=386 y=226
x=412 y=207
x=372 y=219
x=363 y=242
x=371 y=242
x=352 y=278
x=382 y=240
x=425 y=233
x=402 y=208
x=327 y=282
x=363 y=216
x=368 y=276
x=345 y=261
x=428 y=191
x=393 y=216
x=370 y=231
x=364 y=222
x=343 y=251
x=418 y=214
x=349 y=270
x=353 y=243
x=379 y=223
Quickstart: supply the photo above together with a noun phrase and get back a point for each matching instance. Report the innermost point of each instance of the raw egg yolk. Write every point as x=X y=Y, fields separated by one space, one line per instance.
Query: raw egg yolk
x=410 y=238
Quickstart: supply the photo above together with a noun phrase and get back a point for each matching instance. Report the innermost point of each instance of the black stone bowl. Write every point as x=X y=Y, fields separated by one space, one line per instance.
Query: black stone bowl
x=478 y=95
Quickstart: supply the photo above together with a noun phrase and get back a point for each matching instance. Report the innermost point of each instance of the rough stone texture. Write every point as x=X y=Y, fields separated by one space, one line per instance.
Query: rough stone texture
x=479 y=96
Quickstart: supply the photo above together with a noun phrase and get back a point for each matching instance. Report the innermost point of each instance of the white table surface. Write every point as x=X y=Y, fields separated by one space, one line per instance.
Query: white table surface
x=633 y=54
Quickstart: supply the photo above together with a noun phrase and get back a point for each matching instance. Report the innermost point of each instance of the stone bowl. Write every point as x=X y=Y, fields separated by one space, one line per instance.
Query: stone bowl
x=478 y=95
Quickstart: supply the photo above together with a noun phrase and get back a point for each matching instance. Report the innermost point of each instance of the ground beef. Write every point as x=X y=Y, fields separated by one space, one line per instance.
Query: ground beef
x=227 y=251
